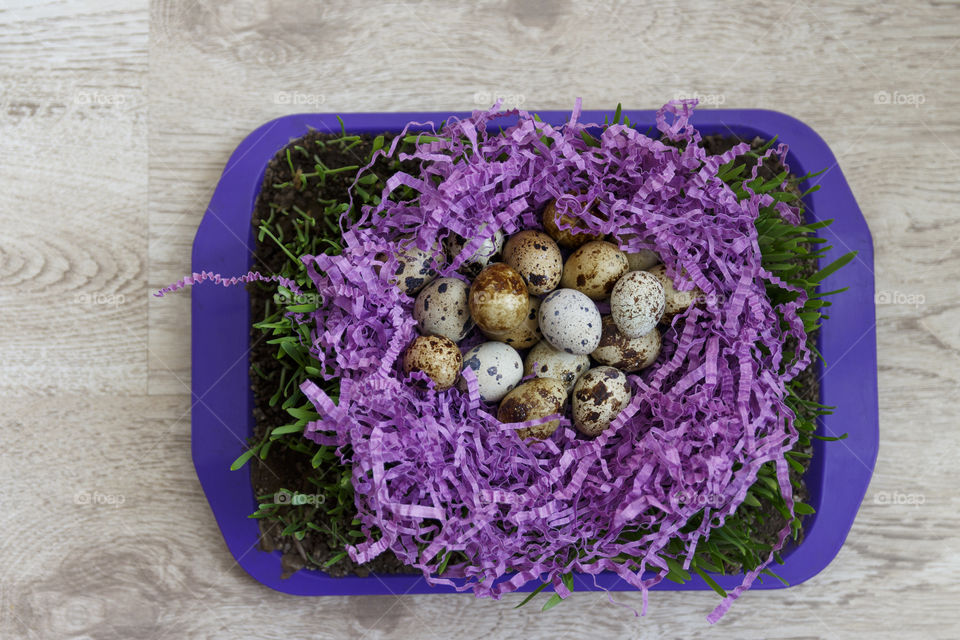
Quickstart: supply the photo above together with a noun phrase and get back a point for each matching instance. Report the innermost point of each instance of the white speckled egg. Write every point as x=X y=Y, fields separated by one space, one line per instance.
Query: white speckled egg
x=594 y=268
x=598 y=398
x=498 y=368
x=642 y=260
x=626 y=354
x=675 y=301
x=436 y=356
x=637 y=303
x=570 y=321
x=483 y=256
x=524 y=335
x=414 y=270
x=537 y=398
x=544 y=361
x=537 y=258
x=442 y=309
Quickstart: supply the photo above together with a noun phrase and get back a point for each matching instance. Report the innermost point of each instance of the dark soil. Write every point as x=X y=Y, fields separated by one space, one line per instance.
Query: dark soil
x=284 y=467
x=289 y=469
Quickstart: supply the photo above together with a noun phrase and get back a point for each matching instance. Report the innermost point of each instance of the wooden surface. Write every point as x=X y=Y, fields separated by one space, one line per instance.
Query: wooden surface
x=116 y=120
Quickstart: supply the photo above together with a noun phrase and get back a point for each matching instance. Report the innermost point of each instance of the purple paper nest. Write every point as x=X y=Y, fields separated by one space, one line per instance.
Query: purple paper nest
x=436 y=472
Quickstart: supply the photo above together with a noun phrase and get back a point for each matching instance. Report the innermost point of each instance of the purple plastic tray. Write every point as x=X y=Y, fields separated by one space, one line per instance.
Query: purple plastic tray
x=223 y=402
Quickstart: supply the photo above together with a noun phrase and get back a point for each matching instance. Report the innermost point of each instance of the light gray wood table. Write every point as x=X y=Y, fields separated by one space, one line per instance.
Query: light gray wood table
x=116 y=118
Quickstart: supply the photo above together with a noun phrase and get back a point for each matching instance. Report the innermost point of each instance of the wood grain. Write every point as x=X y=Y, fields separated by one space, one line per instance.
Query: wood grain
x=116 y=120
x=73 y=209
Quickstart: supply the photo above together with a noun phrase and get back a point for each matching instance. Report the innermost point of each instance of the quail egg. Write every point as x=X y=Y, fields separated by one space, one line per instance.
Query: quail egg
x=636 y=303
x=498 y=368
x=642 y=260
x=544 y=361
x=442 y=309
x=436 y=356
x=594 y=268
x=524 y=335
x=498 y=298
x=537 y=258
x=675 y=301
x=566 y=237
x=598 y=398
x=414 y=270
x=626 y=354
x=537 y=398
x=488 y=250
x=570 y=321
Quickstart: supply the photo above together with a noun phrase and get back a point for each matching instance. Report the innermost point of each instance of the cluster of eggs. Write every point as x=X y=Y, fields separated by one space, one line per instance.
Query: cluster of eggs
x=535 y=300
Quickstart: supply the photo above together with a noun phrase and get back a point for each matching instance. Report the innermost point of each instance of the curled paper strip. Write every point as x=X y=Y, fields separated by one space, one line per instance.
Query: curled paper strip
x=216 y=278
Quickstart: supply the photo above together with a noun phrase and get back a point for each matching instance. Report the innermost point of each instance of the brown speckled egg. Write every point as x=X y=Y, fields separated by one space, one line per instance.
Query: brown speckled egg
x=626 y=354
x=566 y=237
x=544 y=361
x=442 y=309
x=675 y=301
x=594 y=268
x=537 y=398
x=636 y=303
x=524 y=335
x=436 y=356
x=598 y=398
x=498 y=298
x=537 y=258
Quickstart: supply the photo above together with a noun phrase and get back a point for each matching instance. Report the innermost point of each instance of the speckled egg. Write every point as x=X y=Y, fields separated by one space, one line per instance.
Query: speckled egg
x=537 y=258
x=675 y=301
x=565 y=237
x=544 y=361
x=483 y=256
x=570 y=321
x=626 y=354
x=598 y=398
x=537 y=398
x=594 y=268
x=414 y=270
x=637 y=303
x=498 y=298
x=642 y=260
x=442 y=309
x=498 y=368
x=524 y=335
x=436 y=356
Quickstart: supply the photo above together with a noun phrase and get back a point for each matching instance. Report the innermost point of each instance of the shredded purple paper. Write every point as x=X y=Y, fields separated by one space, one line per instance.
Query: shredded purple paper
x=216 y=278
x=435 y=472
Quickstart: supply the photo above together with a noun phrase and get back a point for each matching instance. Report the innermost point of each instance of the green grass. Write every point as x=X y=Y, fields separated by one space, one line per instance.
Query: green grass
x=297 y=232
